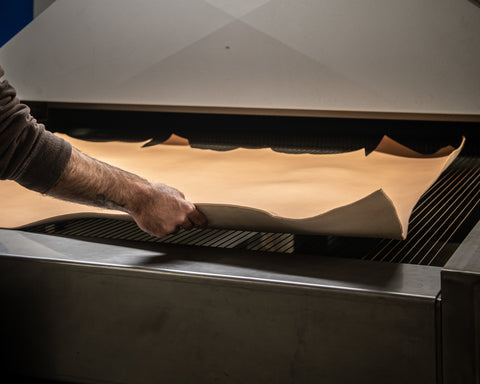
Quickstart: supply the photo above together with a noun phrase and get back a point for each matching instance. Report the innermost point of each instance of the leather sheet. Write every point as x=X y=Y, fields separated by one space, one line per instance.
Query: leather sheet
x=347 y=194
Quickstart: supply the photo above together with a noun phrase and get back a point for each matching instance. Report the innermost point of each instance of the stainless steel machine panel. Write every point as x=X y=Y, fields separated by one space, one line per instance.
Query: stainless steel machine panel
x=98 y=313
x=461 y=312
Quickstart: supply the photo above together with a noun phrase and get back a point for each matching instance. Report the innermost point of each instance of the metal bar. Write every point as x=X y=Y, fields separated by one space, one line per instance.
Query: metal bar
x=268 y=111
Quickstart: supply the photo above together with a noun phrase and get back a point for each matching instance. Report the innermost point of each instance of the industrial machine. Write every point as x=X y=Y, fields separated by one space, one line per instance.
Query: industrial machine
x=96 y=300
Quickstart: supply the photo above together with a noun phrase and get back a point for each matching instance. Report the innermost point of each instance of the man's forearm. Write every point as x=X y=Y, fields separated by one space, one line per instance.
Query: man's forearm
x=90 y=181
x=157 y=208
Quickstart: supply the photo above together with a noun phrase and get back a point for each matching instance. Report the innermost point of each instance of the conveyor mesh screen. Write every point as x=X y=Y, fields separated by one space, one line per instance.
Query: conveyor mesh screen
x=440 y=221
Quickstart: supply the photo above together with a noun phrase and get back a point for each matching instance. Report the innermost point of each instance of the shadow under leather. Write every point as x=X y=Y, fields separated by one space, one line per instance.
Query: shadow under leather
x=333 y=135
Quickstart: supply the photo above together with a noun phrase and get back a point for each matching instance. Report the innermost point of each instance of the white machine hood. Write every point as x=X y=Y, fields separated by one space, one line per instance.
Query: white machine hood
x=335 y=55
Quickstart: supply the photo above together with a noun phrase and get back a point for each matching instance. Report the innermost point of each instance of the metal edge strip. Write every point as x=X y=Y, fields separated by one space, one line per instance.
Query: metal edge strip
x=381 y=115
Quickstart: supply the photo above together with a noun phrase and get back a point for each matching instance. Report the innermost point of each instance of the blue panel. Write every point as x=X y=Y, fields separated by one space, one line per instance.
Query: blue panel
x=14 y=15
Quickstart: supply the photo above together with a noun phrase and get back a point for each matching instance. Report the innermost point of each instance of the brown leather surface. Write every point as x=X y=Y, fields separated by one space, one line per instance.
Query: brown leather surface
x=259 y=189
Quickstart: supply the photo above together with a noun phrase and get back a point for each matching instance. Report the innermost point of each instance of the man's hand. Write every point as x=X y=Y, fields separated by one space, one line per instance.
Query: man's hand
x=163 y=210
x=156 y=208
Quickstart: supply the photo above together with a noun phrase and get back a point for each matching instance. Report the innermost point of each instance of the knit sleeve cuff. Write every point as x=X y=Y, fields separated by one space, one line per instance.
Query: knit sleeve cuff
x=46 y=164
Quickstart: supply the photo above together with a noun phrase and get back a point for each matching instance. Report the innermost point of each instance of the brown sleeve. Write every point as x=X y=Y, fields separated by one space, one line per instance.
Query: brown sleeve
x=29 y=154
